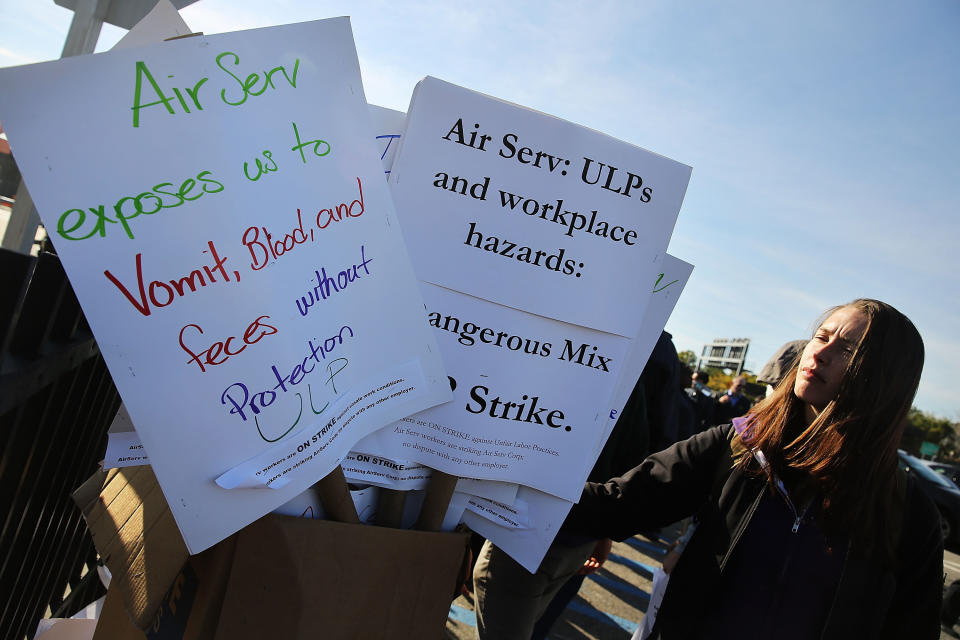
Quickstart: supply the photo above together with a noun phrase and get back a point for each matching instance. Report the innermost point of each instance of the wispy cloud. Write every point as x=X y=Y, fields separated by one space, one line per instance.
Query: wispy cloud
x=823 y=164
x=9 y=58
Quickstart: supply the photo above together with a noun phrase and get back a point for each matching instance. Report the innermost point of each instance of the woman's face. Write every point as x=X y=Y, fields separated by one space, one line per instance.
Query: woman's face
x=825 y=358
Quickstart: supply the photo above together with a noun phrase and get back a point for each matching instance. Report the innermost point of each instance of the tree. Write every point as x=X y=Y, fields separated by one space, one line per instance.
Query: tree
x=926 y=427
x=688 y=358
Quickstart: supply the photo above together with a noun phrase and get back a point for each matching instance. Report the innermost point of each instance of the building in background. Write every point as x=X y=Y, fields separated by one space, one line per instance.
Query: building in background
x=725 y=353
x=9 y=174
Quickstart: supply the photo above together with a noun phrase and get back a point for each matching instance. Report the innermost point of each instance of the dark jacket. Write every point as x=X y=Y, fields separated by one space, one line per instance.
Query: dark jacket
x=724 y=412
x=697 y=476
x=667 y=418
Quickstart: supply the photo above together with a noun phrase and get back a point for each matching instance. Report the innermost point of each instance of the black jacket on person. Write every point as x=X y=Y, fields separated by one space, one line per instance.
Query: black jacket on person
x=724 y=412
x=667 y=416
x=697 y=476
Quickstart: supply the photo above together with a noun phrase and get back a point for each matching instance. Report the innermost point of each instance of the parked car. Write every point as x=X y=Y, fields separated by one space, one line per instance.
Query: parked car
x=941 y=490
x=952 y=471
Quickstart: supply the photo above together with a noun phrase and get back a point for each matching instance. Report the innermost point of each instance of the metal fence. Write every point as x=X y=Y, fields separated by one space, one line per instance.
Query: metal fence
x=56 y=402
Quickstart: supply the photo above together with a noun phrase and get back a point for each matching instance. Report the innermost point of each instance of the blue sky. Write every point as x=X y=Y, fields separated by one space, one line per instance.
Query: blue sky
x=822 y=135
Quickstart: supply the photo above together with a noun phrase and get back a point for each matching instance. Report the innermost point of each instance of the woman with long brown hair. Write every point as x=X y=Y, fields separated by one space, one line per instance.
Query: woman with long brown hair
x=806 y=527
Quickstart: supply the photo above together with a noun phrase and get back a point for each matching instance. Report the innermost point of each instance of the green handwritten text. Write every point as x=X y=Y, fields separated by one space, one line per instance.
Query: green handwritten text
x=148 y=92
x=75 y=224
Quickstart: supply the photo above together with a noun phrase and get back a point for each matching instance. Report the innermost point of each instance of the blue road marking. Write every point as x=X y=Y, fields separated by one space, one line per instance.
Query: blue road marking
x=578 y=606
x=633 y=564
x=460 y=614
x=619 y=585
x=650 y=548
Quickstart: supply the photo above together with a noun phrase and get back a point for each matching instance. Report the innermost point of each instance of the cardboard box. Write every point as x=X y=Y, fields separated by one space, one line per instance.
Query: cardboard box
x=136 y=536
x=280 y=576
x=114 y=623
x=299 y=578
x=190 y=609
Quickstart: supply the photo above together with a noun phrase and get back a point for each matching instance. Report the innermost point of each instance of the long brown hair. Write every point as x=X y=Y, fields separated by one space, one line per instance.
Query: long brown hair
x=848 y=455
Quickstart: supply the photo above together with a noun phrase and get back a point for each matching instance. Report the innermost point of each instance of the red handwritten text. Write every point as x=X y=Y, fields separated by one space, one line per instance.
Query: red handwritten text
x=220 y=351
x=266 y=247
x=159 y=293
x=261 y=251
x=341 y=211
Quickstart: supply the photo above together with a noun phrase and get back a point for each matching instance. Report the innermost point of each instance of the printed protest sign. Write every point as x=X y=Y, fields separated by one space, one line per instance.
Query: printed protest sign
x=527 y=545
x=124 y=450
x=220 y=210
x=530 y=211
x=516 y=373
x=513 y=516
x=362 y=468
x=547 y=512
x=529 y=396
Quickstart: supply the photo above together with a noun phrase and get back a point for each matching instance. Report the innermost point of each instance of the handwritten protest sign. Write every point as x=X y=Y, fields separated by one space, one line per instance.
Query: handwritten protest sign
x=388 y=125
x=530 y=211
x=669 y=284
x=219 y=208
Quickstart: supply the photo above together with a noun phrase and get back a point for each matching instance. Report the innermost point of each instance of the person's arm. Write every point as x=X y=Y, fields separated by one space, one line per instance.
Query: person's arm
x=666 y=487
x=599 y=555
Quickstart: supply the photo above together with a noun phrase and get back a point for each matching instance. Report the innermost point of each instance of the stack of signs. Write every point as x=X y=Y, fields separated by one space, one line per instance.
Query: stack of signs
x=538 y=245
x=220 y=211
x=545 y=513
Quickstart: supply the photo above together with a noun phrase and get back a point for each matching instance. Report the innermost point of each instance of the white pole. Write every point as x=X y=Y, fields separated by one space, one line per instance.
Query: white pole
x=81 y=38
x=85 y=27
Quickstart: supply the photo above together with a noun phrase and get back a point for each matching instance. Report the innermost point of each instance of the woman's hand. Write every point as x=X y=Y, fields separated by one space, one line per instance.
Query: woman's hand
x=597 y=557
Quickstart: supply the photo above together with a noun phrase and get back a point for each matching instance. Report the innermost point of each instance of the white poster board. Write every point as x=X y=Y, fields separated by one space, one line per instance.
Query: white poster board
x=530 y=211
x=670 y=282
x=220 y=210
x=533 y=348
x=388 y=125
x=528 y=545
x=529 y=396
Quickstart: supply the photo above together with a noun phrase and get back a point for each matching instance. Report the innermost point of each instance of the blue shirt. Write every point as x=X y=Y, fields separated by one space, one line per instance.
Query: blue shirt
x=777 y=583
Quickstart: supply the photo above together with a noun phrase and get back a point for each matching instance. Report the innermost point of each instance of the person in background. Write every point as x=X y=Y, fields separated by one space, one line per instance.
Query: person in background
x=702 y=399
x=733 y=403
x=668 y=417
x=807 y=527
x=699 y=381
x=782 y=361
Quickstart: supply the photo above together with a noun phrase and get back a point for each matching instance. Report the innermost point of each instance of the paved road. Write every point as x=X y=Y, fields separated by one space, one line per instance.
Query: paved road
x=951 y=567
x=612 y=602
